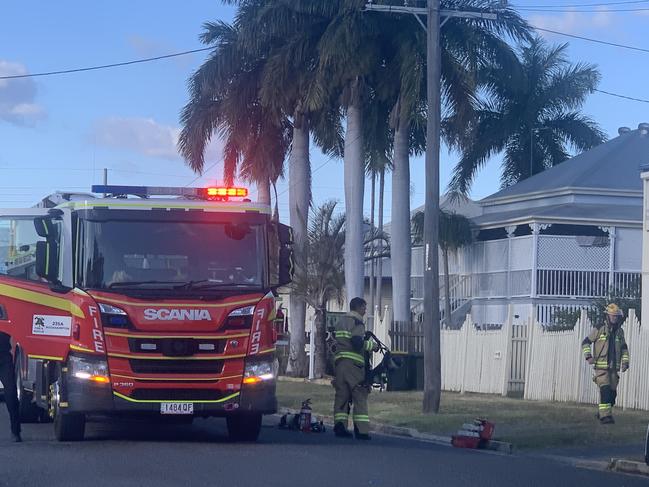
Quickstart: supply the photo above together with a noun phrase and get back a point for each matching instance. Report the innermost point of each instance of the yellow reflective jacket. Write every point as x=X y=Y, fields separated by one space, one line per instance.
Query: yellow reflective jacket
x=607 y=347
x=350 y=339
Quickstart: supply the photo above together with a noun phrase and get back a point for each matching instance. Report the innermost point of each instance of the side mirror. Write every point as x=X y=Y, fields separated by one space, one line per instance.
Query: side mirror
x=281 y=259
x=286 y=265
x=47 y=261
x=285 y=234
x=46 y=228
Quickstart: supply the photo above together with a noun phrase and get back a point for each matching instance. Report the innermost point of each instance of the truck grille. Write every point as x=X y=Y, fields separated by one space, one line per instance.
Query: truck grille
x=140 y=366
x=177 y=394
x=176 y=347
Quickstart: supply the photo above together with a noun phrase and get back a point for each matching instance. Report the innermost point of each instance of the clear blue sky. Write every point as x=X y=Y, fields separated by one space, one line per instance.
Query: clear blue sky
x=59 y=132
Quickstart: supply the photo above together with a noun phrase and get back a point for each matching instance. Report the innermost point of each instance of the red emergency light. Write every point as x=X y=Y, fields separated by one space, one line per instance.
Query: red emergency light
x=224 y=192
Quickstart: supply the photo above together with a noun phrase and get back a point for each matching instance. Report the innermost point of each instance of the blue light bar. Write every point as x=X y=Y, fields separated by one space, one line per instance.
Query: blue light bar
x=147 y=190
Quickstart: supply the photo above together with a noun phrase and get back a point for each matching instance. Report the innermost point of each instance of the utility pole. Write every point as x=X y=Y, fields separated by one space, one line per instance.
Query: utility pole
x=105 y=178
x=432 y=356
x=432 y=349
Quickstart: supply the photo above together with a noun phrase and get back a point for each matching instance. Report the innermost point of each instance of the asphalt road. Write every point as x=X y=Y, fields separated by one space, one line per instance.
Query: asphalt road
x=146 y=454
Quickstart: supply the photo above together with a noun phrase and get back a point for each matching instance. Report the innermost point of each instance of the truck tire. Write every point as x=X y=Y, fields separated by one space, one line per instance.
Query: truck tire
x=244 y=427
x=29 y=411
x=67 y=426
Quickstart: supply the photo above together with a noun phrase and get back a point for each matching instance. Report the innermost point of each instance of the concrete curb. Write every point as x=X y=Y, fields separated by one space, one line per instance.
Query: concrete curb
x=321 y=382
x=389 y=430
x=628 y=466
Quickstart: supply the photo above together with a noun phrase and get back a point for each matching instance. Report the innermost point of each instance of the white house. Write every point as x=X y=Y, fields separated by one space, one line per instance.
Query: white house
x=556 y=240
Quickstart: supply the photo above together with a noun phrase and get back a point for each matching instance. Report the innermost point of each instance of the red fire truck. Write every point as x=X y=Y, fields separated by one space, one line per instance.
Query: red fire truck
x=144 y=301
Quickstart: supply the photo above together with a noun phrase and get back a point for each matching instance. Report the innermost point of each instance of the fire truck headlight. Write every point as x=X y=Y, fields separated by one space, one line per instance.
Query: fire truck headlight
x=245 y=311
x=240 y=318
x=257 y=372
x=111 y=310
x=86 y=368
x=113 y=317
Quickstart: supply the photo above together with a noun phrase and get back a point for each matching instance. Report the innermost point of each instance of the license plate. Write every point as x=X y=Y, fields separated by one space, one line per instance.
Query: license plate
x=176 y=408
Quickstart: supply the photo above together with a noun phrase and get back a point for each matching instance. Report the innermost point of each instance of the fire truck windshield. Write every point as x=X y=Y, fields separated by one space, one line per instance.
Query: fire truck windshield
x=187 y=256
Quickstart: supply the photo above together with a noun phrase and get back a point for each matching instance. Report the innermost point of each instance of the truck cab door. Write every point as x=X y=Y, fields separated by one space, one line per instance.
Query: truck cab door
x=36 y=281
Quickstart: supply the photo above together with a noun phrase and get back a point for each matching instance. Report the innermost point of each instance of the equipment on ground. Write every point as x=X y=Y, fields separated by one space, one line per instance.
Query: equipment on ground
x=305 y=416
x=474 y=435
x=154 y=302
x=378 y=375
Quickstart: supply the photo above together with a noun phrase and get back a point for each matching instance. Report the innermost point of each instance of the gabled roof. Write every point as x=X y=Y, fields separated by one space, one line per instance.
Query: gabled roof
x=614 y=166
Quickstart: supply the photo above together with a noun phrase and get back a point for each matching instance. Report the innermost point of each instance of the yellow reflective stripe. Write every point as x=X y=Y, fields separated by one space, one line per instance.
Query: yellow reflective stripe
x=46 y=357
x=342 y=334
x=146 y=357
x=80 y=349
x=175 y=305
x=369 y=345
x=126 y=398
x=361 y=418
x=41 y=299
x=351 y=355
x=267 y=350
x=196 y=337
x=182 y=379
x=341 y=416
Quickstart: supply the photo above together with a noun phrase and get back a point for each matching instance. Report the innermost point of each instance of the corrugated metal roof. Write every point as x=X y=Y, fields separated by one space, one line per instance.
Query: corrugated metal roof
x=614 y=165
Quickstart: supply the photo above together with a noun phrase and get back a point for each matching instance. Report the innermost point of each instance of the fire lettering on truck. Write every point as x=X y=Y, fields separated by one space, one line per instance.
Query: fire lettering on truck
x=97 y=335
x=177 y=314
x=255 y=340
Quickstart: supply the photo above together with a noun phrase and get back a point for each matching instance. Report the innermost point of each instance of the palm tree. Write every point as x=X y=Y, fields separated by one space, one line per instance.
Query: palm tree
x=224 y=102
x=280 y=41
x=454 y=233
x=529 y=112
x=324 y=280
x=466 y=46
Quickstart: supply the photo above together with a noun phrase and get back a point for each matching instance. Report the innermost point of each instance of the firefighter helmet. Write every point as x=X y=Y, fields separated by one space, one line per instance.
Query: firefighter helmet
x=614 y=310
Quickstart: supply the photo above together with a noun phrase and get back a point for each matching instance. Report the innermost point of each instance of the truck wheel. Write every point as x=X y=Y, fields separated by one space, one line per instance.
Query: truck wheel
x=29 y=412
x=244 y=427
x=67 y=426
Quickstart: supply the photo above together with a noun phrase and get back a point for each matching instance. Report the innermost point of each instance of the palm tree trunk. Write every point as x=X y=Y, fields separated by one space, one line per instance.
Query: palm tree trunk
x=400 y=229
x=354 y=187
x=447 y=289
x=372 y=248
x=379 y=264
x=263 y=192
x=299 y=199
x=320 y=342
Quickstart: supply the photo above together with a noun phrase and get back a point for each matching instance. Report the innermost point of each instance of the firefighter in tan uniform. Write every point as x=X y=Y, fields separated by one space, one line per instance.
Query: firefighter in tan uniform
x=349 y=381
x=606 y=349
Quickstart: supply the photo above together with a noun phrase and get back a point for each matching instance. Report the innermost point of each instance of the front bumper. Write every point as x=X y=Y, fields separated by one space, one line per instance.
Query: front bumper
x=89 y=398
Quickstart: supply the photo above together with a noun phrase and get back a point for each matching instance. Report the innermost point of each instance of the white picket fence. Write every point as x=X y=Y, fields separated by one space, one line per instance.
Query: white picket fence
x=545 y=365
x=557 y=370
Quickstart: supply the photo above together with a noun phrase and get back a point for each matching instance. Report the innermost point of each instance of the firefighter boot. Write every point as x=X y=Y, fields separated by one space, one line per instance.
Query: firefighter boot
x=341 y=431
x=361 y=436
x=16 y=438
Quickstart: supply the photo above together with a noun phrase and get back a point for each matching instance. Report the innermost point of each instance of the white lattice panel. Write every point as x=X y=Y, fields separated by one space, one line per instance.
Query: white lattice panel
x=521 y=253
x=566 y=253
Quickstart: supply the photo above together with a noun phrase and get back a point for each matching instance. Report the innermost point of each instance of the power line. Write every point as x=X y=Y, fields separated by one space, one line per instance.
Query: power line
x=106 y=66
x=203 y=174
x=642 y=100
x=590 y=39
x=599 y=4
x=566 y=10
